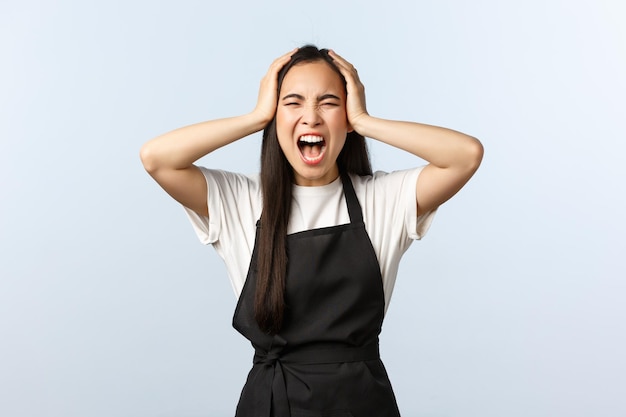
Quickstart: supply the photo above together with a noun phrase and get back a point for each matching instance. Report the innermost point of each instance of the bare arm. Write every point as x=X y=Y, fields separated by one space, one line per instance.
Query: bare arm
x=169 y=158
x=453 y=157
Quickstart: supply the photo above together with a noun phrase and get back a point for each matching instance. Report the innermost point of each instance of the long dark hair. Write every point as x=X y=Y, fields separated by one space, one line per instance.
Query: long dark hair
x=276 y=185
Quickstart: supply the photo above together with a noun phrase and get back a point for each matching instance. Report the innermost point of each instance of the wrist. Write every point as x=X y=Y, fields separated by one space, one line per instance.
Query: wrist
x=258 y=120
x=361 y=124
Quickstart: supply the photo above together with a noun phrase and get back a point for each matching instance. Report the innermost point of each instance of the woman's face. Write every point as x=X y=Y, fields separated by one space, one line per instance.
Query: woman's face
x=311 y=122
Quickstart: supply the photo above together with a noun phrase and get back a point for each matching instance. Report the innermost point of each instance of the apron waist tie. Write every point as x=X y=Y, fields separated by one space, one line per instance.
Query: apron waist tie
x=275 y=391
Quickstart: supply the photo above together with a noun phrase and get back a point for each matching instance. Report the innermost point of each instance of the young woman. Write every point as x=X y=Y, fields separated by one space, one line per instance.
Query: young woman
x=312 y=245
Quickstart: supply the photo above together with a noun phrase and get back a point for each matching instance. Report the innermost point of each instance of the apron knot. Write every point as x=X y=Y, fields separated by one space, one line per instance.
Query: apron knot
x=267 y=358
x=275 y=395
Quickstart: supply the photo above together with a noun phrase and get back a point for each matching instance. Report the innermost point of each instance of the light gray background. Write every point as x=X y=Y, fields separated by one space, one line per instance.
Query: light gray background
x=513 y=305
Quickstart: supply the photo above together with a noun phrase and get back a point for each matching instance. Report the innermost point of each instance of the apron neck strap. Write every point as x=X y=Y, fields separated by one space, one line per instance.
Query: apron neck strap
x=354 y=208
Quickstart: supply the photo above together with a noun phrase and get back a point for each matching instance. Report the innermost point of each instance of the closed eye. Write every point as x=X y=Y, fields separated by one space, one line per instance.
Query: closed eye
x=293 y=98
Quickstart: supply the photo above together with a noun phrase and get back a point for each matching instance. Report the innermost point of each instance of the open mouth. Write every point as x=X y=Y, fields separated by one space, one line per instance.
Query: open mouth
x=312 y=148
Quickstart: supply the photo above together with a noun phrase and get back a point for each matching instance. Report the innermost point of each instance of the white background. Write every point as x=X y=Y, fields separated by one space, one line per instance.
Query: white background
x=513 y=305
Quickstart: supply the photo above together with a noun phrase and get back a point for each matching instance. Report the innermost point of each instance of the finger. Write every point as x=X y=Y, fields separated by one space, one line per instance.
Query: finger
x=336 y=56
x=354 y=86
x=271 y=77
x=341 y=61
x=283 y=59
x=346 y=68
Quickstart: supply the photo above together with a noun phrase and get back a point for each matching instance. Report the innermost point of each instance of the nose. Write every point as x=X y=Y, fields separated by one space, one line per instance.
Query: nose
x=311 y=116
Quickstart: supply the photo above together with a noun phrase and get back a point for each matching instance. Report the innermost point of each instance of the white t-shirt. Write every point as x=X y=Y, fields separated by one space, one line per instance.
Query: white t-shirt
x=388 y=202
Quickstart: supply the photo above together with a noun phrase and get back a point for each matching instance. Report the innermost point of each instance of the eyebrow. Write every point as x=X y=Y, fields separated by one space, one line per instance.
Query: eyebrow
x=328 y=96
x=320 y=98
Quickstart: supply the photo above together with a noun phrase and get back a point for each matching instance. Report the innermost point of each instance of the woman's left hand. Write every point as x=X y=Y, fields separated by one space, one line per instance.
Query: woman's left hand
x=355 y=100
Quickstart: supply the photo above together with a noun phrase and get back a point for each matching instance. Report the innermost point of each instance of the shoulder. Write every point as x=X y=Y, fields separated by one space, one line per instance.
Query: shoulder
x=234 y=203
x=389 y=203
x=387 y=182
x=231 y=179
x=232 y=194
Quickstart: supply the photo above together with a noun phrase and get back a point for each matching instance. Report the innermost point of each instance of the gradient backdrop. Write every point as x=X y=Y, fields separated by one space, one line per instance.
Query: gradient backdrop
x=513 y=305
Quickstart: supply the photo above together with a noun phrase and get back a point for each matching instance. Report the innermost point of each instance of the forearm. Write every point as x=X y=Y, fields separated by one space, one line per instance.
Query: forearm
x=180 y=148
x=442 y=147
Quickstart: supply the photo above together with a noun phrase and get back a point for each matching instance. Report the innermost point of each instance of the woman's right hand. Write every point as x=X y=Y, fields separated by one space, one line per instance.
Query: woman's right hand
x=268 y=92
x=169 y=158
x=180 y=148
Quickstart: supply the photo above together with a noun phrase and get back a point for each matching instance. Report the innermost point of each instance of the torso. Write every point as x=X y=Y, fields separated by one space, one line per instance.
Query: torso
x=324 y=361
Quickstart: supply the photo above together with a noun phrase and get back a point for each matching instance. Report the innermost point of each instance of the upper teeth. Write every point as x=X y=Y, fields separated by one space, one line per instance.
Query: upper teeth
x=311 y=139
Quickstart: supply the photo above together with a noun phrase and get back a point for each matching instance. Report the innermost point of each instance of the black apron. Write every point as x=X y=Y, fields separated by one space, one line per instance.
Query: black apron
x=325 y=360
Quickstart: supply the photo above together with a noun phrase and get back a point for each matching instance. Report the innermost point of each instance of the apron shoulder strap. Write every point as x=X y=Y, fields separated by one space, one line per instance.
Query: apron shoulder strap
x=354 y=208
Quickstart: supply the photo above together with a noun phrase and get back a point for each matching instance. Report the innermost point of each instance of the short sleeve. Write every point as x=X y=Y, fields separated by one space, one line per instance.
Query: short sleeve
x=390 y=213
x=416 y=226
x=206 y=232
x=233 y=201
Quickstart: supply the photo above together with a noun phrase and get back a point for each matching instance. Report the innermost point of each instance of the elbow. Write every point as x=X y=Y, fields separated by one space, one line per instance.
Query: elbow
x=148 y=158
x=474 y=154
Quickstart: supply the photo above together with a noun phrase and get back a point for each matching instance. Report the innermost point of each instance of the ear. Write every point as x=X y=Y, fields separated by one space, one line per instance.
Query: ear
x=350 y=128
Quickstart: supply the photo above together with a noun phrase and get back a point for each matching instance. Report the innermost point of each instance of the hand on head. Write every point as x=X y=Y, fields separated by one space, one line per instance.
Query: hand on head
x=355 y=105
x=268 y=92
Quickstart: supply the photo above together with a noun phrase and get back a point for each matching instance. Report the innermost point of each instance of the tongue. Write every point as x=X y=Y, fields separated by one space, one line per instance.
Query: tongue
x=311 y=151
